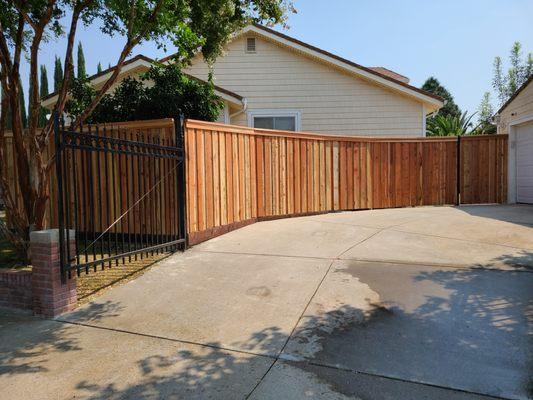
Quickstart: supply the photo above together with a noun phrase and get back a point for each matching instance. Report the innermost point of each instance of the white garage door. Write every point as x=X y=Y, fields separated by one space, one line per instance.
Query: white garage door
x=524 y=163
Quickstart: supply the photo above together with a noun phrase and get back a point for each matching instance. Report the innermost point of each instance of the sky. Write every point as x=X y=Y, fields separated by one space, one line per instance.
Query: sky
x=453 y=40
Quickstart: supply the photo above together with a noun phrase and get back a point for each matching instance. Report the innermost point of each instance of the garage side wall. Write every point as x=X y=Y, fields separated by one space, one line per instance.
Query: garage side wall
x=517 y=118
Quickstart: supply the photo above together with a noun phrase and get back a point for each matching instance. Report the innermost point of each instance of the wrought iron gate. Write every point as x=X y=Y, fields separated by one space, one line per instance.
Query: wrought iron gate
x=122 y=193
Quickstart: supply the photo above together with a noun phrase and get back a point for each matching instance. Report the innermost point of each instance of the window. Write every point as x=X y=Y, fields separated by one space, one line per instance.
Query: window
x=274 y=119
x=281 y=123
x=250 y=45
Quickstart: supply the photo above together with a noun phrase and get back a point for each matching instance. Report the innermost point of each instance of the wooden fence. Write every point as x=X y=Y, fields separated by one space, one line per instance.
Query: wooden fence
x=483 y=169
x=161 y=130
x=238 y=175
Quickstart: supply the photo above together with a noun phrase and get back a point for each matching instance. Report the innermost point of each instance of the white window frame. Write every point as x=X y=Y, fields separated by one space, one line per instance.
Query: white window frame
x=276 y=113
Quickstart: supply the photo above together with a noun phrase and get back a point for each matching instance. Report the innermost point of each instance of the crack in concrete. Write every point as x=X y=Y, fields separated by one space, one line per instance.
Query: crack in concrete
x=275 y=358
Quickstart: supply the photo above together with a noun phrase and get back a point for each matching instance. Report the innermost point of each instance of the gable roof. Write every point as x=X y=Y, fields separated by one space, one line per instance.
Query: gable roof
x=373 y=74
x=141 y=62
x=391 y=73
x=369 y=74
x=515 y=94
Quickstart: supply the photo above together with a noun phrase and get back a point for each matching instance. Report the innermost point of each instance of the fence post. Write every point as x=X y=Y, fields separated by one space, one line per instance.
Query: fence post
x=182 y=187
x=59 y=176
x=458 y=201
x=51 y=297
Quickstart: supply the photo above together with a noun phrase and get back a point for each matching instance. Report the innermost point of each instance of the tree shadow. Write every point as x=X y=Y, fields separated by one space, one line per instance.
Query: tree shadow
x=521 y=261
x=192 y=372
x=27 y=342
x=465 y=328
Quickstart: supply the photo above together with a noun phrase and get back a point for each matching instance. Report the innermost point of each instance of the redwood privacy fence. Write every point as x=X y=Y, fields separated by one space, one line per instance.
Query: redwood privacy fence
x=237 y=175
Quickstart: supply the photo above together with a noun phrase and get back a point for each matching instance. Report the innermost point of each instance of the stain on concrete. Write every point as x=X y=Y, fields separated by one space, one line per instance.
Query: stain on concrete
x=259 y=291
x=342 y=303
x=353 y=385
x=458 y=328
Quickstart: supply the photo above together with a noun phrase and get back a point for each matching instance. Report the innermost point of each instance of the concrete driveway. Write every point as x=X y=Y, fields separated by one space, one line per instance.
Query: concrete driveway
x=420 y=303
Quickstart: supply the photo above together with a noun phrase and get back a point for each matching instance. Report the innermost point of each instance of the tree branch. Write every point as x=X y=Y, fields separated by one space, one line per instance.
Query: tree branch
x=130 y=44
x=19 y=6
x=62 y=95
x=34 y=66
x=5 y=58
x=18 y=49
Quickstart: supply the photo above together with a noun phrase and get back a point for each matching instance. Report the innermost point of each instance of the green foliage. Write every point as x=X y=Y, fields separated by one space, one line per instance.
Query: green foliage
x=43 y=91
x=58 y=74
x=432 y=85
x=485 y=113
x=82 y=73
x=169 y=94
x=448 y=125
x=505 y=84
x=99 y=68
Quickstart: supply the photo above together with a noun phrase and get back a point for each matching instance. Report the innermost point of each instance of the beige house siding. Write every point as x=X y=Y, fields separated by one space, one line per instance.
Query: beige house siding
x=519 y=109
x=328 y=100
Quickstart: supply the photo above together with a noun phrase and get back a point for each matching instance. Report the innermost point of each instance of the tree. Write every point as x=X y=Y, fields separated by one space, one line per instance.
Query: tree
x=43 y=91
x=81 y=62
x=189 y=25
x=58 y=74
x=506 y=84
x=433 y=85
x=99 y=68
x=485 y=113
x=450 y=125
x=169 y=94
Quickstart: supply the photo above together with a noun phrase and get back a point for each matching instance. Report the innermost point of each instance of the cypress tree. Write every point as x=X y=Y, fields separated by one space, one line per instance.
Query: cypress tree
x=99 y=68
x=82 y=73
x=23 y=114
x=58 y=74
x=43 y=91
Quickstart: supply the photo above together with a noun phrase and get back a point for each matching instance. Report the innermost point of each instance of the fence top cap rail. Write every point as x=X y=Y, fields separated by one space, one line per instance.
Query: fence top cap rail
x=147 y=123
x=195 y=124
x=137 y=124
x=482 y=137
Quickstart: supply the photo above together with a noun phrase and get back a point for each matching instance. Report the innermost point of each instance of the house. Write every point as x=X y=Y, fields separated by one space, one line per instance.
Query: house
x=515 y=118
x=270 y=80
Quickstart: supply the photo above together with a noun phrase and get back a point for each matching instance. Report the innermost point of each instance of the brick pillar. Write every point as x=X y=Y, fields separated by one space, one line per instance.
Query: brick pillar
x=51 y=297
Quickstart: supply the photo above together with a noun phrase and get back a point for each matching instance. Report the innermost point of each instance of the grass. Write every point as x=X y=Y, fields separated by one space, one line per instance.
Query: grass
x=93 y=284
x=9 y=257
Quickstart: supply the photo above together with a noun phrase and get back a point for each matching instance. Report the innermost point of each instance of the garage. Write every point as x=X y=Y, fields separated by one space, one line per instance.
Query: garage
x=515 y=119
x=524 y=163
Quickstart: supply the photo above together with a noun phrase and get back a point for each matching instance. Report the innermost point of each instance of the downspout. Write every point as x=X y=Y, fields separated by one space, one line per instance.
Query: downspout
x=244 y=102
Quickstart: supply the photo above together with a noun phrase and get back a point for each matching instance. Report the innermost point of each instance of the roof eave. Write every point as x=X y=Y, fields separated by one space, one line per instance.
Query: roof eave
x=515 y=95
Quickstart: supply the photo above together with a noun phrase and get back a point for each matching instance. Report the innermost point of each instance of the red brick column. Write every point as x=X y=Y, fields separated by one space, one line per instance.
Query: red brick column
x=51 y=297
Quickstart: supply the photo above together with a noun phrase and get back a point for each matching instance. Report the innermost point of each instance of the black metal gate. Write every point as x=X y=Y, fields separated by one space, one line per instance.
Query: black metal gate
x=122 y=193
